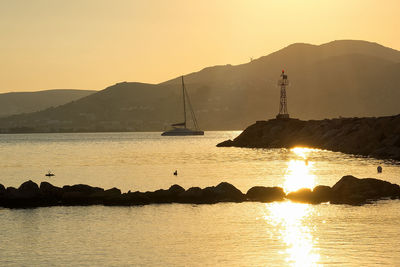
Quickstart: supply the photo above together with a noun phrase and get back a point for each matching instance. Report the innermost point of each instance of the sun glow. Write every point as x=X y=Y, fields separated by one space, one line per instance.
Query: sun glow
x=299 y=171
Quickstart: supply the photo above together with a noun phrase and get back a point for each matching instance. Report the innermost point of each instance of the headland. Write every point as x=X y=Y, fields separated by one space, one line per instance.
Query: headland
x=377 y=137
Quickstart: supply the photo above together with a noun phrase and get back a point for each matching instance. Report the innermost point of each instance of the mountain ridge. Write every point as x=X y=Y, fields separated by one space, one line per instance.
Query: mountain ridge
x=341 y=78
x=12 y=103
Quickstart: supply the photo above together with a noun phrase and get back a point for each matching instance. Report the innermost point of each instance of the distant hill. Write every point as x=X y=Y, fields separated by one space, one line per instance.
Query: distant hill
x=341 y=78
x=27 y=102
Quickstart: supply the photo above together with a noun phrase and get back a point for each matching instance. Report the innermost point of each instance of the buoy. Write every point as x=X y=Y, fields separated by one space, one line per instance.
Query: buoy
x=379 y=169
x=175 y=172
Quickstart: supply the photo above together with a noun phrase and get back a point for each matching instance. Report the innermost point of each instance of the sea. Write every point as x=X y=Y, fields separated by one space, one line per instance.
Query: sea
x=223 y=234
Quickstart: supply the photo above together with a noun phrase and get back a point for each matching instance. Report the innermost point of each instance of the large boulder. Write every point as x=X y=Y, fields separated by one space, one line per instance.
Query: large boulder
x=2 y=191
x=176 y=189
x=265 y=194
x=50 y=192
x=82 y=188
x=79 y=194
x=159 y=196
x=27 y=195
x=322 y=193
x=303 y=195
x=229 y=191
x=136 y=198
x=223 y=192
x=75 y=198
x=28 y=190
x=319 y=194
x=11 y=192
x=2 y=194
x=352 y=190
x=165 y=196
x=108 y=195
x=192 y=195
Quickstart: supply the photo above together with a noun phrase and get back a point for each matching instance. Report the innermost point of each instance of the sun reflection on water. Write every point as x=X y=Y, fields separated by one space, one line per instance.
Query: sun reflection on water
x=299 y=171
x=289 y=219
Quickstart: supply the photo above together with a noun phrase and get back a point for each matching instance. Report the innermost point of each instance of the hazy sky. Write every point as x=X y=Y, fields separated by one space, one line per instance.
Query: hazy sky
x=91 y=44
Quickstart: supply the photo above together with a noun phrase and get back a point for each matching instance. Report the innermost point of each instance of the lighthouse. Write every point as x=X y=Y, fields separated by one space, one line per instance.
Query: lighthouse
x=283 y=82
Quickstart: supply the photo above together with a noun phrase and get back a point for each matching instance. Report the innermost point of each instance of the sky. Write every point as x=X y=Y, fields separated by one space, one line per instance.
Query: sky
x=92 y=44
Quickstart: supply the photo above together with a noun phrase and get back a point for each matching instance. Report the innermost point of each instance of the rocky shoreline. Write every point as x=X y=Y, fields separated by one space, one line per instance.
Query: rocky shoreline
x=348 y=190
x=374 y=137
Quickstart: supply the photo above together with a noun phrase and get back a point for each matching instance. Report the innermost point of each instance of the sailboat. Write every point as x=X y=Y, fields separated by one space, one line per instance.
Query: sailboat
x=180 y=129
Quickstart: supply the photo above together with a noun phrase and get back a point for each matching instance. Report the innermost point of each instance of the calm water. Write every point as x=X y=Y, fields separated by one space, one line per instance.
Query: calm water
x=226 y=234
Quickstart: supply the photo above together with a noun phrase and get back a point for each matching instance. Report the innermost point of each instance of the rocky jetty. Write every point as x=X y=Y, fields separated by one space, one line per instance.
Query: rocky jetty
x=375 y=137
x=348 y=190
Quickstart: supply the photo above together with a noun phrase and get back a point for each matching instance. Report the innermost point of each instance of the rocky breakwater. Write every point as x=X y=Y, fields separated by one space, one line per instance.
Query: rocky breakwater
x=348 y=190
x=375 y=137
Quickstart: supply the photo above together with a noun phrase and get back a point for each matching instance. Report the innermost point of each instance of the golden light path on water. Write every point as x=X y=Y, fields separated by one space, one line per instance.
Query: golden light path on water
x=298 y=173
x=291 y=219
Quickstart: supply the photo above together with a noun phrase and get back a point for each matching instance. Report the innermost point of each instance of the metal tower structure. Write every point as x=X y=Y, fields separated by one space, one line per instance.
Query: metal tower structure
x=283 y=82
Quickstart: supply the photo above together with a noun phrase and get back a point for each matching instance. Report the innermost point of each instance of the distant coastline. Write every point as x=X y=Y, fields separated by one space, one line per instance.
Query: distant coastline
x=372 y=137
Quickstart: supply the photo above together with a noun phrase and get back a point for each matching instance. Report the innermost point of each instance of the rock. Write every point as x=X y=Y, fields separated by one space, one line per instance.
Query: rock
x=226 y=143
x=112 y=192
x=223 y=192
x=50 y=191
x=83 y=188
x=108 y=195
x=80 y=194
x=377 y=137
x=176 y=190
x=137 y=198
x=2 y=190
x=165 y=196
x=28 y=190
x=75 y=198
x=319 y=194
x=229 y=190
x=192 y=195
x=159 y=196
x=27 y=195
x=303 y=195
x=265 y=194
x=351 y=190
x=322 y=193
x=11 y=193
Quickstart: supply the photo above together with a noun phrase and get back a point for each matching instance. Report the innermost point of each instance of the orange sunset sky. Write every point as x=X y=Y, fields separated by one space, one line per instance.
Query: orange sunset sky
x=91 y=44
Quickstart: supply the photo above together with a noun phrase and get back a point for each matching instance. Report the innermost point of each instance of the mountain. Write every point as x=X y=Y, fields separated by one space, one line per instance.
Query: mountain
x=341 y=78
x=26 y=102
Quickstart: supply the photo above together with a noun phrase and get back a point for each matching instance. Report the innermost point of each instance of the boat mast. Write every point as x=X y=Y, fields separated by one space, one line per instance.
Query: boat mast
x=184 y=103
x=191 y=111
